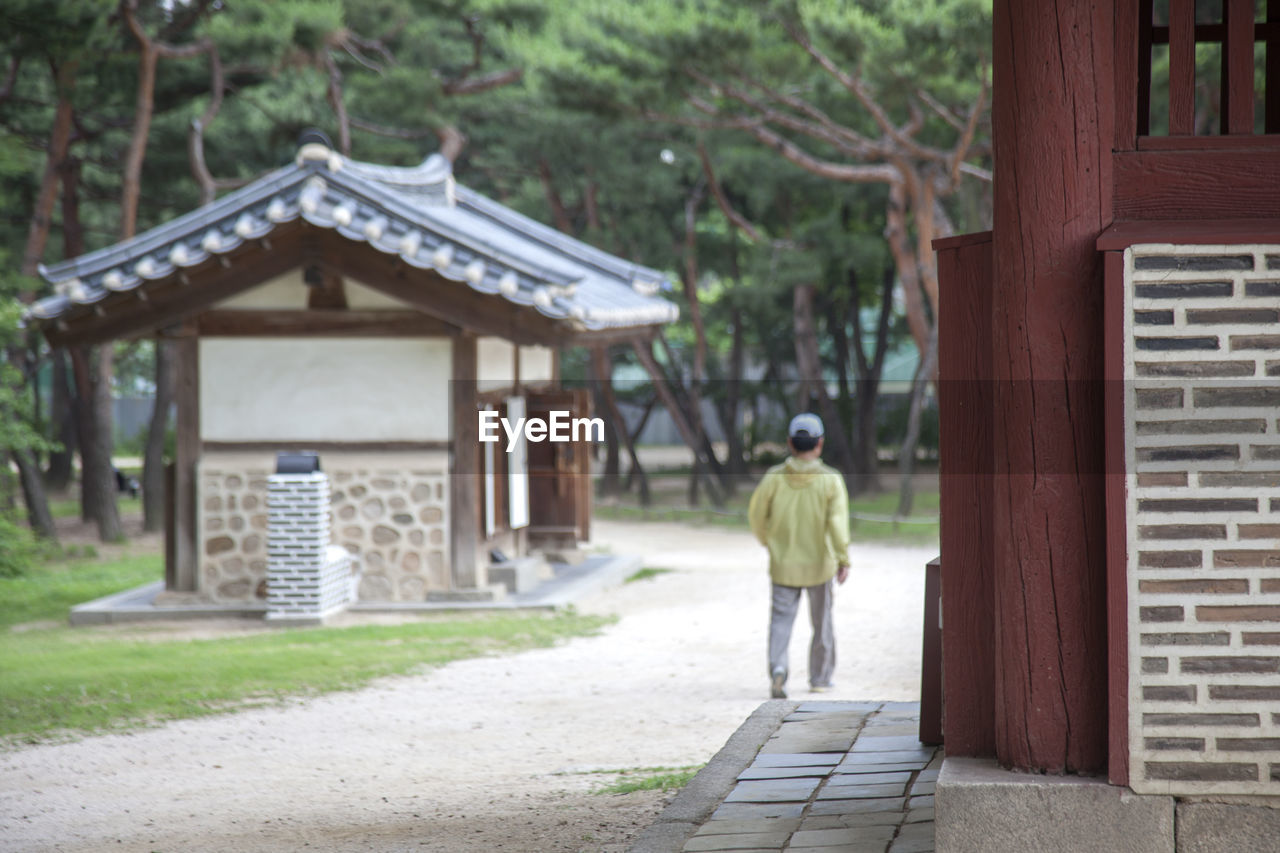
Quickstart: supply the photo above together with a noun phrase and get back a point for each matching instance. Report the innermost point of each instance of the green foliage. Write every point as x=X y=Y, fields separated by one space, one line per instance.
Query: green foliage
x=647 y=573
x=19 y=549
x=649 y=779
x=50 y=588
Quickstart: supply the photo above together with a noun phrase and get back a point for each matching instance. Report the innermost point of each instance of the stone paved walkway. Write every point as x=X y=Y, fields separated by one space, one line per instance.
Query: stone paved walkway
x=846 y=776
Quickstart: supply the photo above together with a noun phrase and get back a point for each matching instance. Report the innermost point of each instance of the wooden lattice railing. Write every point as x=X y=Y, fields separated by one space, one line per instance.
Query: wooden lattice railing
x=1231 y=29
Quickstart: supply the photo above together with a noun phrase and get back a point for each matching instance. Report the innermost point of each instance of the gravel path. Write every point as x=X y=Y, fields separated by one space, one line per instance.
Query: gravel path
x=487 y=754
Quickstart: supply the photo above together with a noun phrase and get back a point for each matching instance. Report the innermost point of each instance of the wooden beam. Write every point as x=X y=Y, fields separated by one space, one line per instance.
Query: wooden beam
x=1197 y=184
x=330 y=293
x=464 y=470
x=322 y=323
x=186 y=555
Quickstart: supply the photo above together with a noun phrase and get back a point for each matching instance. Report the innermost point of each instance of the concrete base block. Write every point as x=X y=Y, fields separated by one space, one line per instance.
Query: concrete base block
x=518 y=575
x=982 y=808
x=1220 y=828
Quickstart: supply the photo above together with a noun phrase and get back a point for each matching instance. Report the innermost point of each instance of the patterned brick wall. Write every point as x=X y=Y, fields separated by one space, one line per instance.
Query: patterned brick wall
x=307 y=577
x=389 y=510
x=1202 y=329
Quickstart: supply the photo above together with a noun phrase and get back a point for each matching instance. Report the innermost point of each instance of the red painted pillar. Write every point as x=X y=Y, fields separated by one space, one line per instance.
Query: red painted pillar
x=1052 y=115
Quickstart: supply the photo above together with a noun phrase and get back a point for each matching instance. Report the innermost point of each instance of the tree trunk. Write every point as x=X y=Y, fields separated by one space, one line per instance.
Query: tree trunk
x=867 y=385
x=153 y=491
x=682 y=424
x=736 y=464
x=62 y=424
x=635 y=473
x=602 y=376
x=33 y=495
x=810 y=367
x=59 y=140
x=907 y=458
x=97 y=476
x=690 y=281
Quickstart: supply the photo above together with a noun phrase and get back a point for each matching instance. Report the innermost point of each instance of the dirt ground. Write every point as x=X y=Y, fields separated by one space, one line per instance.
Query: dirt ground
x=498 y=753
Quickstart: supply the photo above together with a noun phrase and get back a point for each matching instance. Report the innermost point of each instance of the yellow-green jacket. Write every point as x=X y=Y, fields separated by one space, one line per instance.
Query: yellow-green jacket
x=800 y=512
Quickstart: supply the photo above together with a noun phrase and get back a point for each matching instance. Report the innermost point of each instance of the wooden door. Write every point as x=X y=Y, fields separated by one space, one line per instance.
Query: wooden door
x=559 y=473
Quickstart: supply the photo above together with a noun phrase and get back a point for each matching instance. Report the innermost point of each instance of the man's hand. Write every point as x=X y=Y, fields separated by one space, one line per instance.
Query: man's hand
x=842 y=574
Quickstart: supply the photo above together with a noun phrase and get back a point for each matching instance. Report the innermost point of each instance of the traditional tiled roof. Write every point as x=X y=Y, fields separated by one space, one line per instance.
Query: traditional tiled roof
x=418 y=213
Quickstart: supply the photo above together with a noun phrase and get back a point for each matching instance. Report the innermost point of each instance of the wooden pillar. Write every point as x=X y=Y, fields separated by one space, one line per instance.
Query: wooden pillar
x=464 y=477
x=184 y=576
x=965 y=409
x=1053 y=124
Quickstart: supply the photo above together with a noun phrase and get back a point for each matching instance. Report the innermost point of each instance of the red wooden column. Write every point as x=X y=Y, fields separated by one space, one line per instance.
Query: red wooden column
x=965 y=409
x=1053 y=123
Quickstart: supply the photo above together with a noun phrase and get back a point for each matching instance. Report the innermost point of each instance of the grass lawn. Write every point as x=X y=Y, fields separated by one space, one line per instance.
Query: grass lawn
x=55 y=680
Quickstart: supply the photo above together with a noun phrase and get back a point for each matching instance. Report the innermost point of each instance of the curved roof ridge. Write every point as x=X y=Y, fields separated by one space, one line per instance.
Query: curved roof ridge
x=552 y=238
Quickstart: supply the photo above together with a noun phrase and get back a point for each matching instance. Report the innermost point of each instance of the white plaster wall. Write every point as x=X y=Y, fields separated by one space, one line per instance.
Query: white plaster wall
x=324 y=389
x=289 y=293
x=536 y=364
x=495 y=363
x=361 y=298
x=286 y=293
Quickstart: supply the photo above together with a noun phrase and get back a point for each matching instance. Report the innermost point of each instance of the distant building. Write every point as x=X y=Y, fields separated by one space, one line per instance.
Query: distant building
x=370 y=313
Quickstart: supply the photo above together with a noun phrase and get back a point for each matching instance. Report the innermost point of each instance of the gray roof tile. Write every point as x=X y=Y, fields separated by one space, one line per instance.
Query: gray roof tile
x=417 y=213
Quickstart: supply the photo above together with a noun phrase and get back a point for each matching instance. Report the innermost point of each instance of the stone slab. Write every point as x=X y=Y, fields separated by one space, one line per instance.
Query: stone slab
x=754 y=772
x=860 y=792
x=848 y=807
x=738 y=827
x=800 y=759
x=920 y=758
x=870 y=741
x=838 y=821
x=845 y=836
x=741 y=841
x=866 y=769
x=981 y=808
x=1221 y=827
x=752 y=811
x=773 y=791
x=900 y=778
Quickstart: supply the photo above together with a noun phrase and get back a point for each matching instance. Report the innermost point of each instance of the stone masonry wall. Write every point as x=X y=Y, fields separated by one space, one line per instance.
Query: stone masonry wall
x=389 y=510
x=1202 y=352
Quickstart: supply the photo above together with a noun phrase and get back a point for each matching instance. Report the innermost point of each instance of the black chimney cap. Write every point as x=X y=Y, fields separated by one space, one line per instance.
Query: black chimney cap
x=314 y=134
x=297 y=462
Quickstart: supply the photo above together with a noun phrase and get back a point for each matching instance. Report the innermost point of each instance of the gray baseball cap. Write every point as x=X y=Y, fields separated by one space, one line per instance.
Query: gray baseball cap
x=806 y=424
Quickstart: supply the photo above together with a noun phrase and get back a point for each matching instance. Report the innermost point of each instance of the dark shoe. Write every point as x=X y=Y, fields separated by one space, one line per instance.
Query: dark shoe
x=775 y=687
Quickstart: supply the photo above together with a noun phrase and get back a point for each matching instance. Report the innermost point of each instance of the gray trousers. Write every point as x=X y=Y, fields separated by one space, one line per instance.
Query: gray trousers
x=822 y=650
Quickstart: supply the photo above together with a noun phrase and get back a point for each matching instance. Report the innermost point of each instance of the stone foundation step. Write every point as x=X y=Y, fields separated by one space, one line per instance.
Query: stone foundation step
x=492 y=592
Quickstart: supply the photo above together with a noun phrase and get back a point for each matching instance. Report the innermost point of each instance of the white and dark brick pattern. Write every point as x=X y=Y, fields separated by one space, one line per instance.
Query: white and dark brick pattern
x=1202 y=435
x=307 y=577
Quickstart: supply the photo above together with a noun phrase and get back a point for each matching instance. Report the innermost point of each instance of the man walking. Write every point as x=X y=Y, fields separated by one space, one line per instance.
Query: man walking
x=800 y=512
